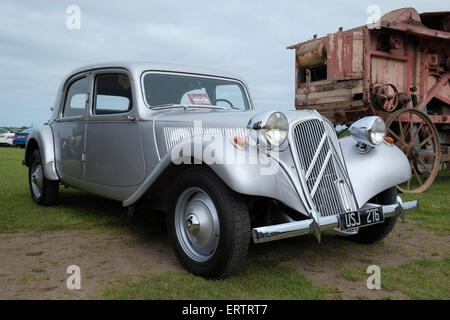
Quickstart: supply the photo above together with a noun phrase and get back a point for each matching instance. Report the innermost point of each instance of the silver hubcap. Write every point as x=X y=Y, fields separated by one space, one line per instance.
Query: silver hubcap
x=37 y=179
x=193 y=224
x=197 y=224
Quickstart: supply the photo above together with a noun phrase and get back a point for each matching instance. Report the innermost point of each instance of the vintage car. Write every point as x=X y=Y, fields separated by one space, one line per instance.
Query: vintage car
x=190 y=142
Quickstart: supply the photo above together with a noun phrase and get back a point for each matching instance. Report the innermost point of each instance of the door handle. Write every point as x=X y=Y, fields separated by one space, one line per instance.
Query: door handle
x=130 y=118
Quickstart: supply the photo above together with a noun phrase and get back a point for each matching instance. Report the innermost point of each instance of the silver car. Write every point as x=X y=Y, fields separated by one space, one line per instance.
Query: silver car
x=189 y=141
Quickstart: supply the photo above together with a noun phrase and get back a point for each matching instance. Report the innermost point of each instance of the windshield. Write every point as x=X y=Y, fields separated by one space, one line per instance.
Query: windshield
x=170 y=89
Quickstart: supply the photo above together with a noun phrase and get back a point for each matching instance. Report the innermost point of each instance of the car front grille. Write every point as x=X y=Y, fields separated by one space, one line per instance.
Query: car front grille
x=321 y=168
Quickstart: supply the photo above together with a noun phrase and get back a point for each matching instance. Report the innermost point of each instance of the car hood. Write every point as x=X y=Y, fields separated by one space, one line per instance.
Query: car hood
x=174 y=126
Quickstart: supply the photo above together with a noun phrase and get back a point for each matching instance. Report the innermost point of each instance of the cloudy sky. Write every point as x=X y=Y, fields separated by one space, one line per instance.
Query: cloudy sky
x=245 y=37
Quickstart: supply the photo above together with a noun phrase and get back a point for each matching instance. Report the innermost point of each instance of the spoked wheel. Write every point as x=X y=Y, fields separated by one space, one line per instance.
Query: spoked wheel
x=416 y=135
x=386 y=96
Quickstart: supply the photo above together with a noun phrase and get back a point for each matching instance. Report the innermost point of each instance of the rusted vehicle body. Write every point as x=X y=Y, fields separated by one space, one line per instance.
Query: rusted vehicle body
x=399 y=69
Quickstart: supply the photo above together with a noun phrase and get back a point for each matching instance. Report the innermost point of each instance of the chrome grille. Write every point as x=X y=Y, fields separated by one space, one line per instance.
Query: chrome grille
x=317 y=159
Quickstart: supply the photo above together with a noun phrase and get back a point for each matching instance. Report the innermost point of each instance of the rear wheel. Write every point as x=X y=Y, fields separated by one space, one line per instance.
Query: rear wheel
x=43 y=191
x=379 y=231
x=208 y=224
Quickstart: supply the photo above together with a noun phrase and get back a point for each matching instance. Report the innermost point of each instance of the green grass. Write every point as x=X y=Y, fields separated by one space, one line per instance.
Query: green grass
x=77 y=210
x=434 y=210
x=353 y=273
x=419 y=279
x=256 y=280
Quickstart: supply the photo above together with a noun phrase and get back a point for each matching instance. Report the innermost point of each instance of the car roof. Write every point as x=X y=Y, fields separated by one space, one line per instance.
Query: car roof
x=139 y=67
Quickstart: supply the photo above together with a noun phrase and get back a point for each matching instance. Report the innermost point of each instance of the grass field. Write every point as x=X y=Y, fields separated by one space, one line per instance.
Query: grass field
x=290 y=269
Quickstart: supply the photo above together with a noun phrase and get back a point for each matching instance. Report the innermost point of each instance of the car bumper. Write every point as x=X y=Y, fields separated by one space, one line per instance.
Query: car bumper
x=303 y=227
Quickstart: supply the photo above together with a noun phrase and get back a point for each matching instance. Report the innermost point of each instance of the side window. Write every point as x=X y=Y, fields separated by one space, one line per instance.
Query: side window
x=76 y=98
x=230 y=95
x=112 y=94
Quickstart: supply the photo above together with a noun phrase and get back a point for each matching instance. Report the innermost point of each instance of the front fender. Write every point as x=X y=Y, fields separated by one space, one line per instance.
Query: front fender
x=375 y=171
x=42 y=138
x=257 y=174
x=245 y=171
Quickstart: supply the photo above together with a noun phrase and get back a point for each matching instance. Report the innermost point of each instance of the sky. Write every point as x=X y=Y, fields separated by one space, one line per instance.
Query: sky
x=249 y=38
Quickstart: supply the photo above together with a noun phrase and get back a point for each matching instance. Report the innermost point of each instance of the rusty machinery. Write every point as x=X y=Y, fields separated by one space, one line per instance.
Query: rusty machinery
x=398 y=70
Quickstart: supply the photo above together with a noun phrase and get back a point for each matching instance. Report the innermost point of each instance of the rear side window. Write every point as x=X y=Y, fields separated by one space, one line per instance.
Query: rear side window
x=112 y=94
x=76 y=98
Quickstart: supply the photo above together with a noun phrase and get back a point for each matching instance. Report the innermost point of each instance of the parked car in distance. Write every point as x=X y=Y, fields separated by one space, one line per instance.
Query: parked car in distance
x=189 y=141
x=6 y=137
x=21 y=137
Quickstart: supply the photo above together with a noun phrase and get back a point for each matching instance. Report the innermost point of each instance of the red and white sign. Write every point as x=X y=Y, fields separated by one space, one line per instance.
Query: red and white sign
x=199 y=98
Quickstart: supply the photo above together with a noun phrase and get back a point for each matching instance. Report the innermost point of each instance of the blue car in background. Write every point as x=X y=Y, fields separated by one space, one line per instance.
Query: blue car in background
x=21 y=138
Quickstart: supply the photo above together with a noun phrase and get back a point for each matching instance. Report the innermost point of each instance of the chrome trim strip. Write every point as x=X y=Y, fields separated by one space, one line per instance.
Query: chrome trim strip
x=322 y=170
x=303 y=227
x=175 y=134
x=316 y=155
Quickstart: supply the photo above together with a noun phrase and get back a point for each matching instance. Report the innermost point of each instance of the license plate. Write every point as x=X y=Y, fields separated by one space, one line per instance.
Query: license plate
x=361 y=218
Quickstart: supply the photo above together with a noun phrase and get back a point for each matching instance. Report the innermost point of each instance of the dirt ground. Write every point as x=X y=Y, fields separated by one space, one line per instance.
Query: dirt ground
x=324 y=263
x=33 y=265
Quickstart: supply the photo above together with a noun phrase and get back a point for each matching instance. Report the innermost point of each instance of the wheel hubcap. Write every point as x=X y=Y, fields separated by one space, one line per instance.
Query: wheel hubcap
x=197 y=224
x=193 y=224
x=37 y=179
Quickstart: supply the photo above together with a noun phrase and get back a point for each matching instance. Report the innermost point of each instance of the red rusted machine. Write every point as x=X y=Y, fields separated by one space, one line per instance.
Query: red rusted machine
x=398 y=69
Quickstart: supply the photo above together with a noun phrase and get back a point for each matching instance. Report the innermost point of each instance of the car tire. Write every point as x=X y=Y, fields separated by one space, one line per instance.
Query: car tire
x=43 y=191
x=208 y=224
x=368 y=235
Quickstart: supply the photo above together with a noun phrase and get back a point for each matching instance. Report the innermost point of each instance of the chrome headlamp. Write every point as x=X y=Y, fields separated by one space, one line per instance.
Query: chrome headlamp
x=272 y=126
x=369 y=131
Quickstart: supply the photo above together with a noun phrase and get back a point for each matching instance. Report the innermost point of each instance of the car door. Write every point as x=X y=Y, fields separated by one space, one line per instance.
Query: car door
x=114 y=155
x=70 y=127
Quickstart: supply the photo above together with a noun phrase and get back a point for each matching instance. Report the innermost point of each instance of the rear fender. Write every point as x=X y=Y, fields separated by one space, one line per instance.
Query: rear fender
x=42 y=138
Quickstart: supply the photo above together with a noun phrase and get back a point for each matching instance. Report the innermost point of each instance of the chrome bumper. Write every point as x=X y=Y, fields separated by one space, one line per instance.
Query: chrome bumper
x=303 y=227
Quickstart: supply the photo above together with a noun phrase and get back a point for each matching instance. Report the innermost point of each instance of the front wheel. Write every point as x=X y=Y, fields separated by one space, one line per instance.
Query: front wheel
x=43 y=191
x=208 y=224
x=379 y=231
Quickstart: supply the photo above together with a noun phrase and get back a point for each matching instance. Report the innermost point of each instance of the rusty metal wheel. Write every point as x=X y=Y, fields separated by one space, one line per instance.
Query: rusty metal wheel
x=386 y=96
x=416 y=135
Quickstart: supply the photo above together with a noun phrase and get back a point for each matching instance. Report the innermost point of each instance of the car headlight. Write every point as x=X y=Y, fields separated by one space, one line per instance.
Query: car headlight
x=273 y=126
x=369 y=131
